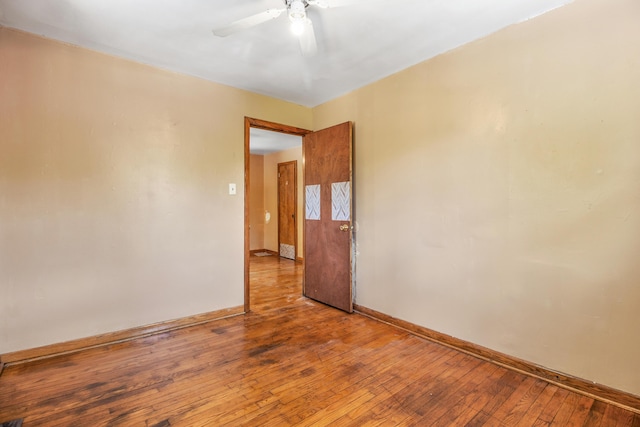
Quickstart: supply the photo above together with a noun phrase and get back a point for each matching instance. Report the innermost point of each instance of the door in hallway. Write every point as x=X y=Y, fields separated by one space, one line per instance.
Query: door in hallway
x=287 y=202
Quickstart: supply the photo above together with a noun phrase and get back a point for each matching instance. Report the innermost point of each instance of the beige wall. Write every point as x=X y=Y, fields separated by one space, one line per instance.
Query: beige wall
x=497 y=191
x=256 y=202
x=114 y=204
x=271 y=195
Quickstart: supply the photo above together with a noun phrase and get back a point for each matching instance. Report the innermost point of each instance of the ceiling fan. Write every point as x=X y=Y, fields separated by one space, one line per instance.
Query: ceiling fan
x=301 y=25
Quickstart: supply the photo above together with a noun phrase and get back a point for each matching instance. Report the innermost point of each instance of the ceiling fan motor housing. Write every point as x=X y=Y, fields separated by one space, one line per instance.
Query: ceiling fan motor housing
x=297 y=9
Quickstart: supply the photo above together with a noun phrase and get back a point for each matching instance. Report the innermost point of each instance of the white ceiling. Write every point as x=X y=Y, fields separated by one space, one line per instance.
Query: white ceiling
x=357 y=44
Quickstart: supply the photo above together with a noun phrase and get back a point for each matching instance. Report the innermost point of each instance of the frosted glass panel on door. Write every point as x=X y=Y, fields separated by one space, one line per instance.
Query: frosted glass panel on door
x=312 y=201
x=340 y=201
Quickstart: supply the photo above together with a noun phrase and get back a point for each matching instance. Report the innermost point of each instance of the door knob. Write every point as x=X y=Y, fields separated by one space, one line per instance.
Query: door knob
x=344 y=227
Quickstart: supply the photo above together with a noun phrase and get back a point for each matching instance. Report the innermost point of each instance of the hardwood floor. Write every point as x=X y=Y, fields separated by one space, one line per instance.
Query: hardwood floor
x=291 y=361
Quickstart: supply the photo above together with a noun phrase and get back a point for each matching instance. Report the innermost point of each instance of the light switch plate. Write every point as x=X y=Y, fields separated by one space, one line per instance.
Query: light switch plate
x=232 y=189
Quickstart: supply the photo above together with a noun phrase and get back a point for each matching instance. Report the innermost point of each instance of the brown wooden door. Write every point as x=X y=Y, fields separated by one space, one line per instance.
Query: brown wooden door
x=328 y=216
x=287 y=190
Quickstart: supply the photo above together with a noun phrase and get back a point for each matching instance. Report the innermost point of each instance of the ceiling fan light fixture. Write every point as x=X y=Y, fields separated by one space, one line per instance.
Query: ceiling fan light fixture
x=297 y=27
x=297 y=16
x=297 y=10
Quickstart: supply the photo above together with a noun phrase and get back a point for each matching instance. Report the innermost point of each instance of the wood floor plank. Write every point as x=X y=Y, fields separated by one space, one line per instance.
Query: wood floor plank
x=580 y=412
x=550 y=411
x=463 y=395
x=519 y=409
x=615 y=416
x=500 y=392
x=443 y=395
x=519 y=393
x=566 y=410
x=596 y=412
x=291 y=361
x=475 y=398
x=535 y=410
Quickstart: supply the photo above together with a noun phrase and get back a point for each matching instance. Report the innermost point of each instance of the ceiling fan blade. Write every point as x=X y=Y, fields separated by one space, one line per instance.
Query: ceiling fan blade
x=324 y=4
x=248 y=22
x=307 y=39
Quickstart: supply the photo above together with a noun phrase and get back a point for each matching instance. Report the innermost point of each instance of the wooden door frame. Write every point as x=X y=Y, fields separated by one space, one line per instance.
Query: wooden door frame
x=295 y=206
x=275 y=127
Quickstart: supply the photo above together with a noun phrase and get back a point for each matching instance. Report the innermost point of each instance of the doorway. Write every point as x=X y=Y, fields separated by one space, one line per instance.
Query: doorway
x=269 y=213
x=328 y=212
